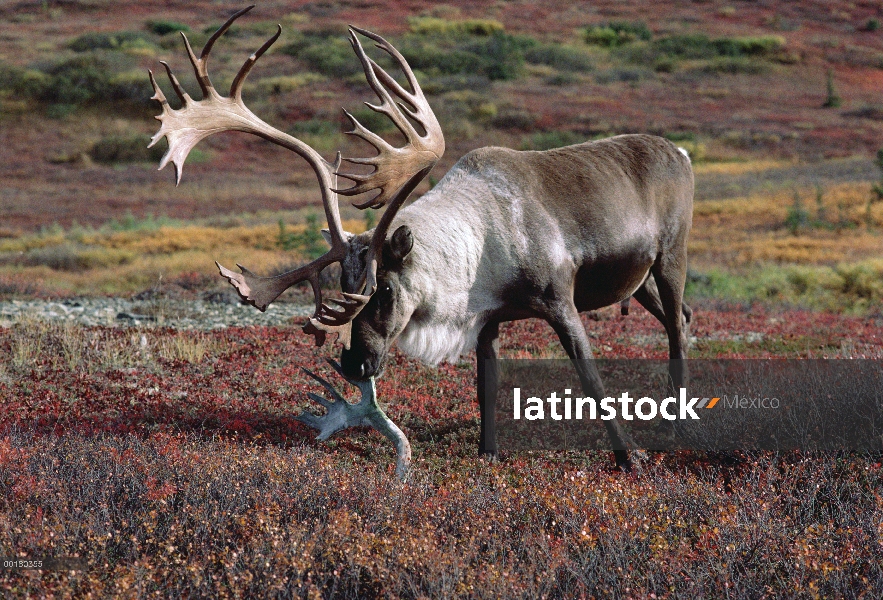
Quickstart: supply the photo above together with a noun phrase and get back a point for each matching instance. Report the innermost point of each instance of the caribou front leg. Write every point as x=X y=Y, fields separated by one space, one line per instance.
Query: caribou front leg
x=342 y=415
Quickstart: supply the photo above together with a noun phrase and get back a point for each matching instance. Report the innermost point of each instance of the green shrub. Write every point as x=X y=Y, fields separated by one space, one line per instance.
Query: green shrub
x=129 y=86
x=434 y=26
x=60 y=110
x=426 y=55
x=563 y=58
x=441 y=47
x=162 y=27
x=322 y=135
x=371 y=215
x=700 y=46
x=449 y=83
x=863 y=281
x=25 y=83
x=309 y=241
x=77 y=80
x=502 y=55
x=665 y=64
x=317 y=126
x=623 y=75
x=126 y=148
x=330 y=56
x=686 y=46
x=616 y=33
x=832 y=100
x=106 y=41
x=498 y=57
x=763 y=45
x=374 y=121
x=797 y=217
x=680 y=136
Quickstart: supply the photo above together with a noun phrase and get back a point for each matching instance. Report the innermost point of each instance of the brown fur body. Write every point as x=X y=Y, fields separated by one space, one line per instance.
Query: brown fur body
x=509 y=235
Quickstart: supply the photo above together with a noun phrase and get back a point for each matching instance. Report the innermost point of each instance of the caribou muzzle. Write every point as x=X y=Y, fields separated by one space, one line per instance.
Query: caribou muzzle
x=362 y=359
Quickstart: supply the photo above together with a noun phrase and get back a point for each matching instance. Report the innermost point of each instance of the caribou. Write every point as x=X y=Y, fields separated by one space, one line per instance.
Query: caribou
x=504 y=235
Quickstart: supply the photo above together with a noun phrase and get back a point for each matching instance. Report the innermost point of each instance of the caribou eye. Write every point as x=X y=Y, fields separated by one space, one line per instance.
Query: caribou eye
x=384 y=294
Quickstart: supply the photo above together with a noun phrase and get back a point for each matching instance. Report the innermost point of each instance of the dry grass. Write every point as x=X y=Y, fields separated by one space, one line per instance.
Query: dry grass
x=37 y=344
x=750 y=231
x=119 y=262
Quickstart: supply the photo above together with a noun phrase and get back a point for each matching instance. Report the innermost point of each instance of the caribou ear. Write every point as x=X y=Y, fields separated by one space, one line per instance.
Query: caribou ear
x=347 y=236
x=400 y=243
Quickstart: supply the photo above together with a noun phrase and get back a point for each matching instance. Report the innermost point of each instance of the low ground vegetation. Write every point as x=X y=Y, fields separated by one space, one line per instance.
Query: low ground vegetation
x=172 y=465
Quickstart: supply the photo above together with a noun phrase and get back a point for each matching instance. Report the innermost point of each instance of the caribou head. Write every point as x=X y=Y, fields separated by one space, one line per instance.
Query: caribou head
x=388 y=310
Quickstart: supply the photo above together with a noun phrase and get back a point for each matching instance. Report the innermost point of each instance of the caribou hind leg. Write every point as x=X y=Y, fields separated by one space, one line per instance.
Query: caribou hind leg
x=670 y=274
x=648 y=296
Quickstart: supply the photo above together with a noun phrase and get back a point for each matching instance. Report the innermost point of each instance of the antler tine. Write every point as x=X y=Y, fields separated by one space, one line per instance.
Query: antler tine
x=325 y=383
x=331 y=320
x=200 y=64
x=387 y=105
x=236 y=87
x=391 y=50
x=176 y=85
x=222 y=30
x=415 y=94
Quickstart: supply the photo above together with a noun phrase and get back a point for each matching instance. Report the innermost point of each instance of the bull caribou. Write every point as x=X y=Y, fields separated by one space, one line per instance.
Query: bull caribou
x=505 y=235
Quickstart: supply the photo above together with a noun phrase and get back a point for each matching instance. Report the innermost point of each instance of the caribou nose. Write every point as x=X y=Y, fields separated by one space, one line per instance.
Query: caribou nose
x=357 y=365
x=367 y=369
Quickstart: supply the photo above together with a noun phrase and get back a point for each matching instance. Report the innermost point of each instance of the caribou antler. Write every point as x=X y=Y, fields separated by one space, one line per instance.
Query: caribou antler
x=394 y=167
x=397 y=171
x=198 y=119
x=341 y=415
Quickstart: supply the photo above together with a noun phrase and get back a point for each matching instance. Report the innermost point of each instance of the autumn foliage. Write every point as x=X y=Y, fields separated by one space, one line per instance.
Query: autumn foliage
x=175 y=473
